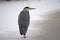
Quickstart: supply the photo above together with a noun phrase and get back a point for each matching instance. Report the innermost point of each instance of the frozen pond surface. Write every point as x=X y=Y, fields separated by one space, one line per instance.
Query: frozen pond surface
x=44 y=24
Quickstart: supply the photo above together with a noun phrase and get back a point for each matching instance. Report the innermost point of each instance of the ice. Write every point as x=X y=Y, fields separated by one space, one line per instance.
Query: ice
x=44 y=20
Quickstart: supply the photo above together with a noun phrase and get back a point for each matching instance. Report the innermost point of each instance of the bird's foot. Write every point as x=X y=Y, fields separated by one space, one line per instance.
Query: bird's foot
x=24 y=36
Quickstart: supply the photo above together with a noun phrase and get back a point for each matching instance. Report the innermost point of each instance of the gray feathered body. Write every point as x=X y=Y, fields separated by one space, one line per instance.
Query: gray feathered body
x=23 y=21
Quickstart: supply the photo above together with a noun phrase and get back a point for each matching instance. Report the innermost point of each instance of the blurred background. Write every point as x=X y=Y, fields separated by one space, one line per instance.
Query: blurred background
x=44 y=20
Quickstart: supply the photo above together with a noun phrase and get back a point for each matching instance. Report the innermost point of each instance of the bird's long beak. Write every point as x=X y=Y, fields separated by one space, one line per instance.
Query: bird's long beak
x=32 y=8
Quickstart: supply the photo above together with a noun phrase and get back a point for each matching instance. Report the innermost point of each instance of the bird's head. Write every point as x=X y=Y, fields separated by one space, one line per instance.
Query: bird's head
x=28 y=8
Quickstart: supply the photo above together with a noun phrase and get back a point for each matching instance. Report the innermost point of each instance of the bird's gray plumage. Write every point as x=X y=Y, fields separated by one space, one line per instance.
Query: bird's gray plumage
x=23 y=21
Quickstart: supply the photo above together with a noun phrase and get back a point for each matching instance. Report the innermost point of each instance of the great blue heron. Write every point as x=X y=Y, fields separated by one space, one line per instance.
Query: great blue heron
x=23 y=20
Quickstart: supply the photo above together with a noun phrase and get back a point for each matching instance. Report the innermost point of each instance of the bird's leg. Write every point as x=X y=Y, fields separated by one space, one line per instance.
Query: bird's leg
x=21 y=33
x=24 y=36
